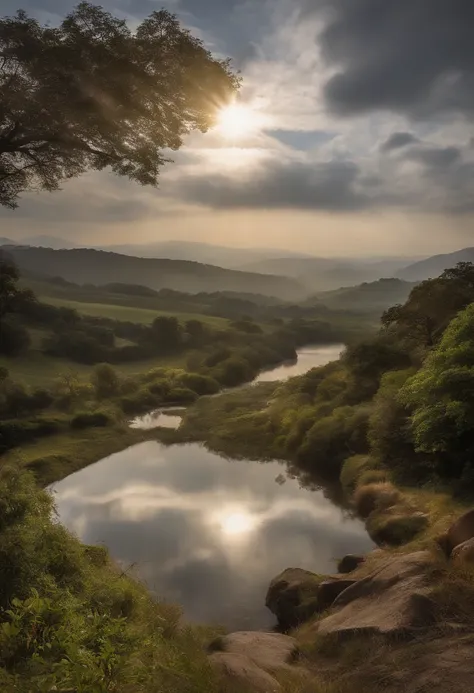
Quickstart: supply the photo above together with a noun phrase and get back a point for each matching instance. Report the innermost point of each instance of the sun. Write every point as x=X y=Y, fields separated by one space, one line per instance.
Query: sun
x=237 y=120
x=237 y=523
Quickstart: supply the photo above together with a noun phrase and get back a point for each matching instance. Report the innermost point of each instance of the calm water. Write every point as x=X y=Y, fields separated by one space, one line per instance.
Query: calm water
x=157 y=419
x=308 y=357
x=203 y=531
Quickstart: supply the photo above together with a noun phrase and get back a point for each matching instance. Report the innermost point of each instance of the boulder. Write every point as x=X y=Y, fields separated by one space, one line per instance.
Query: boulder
x=269 y=651
x=349 y=563
x=293 y=597
x=460 y=531
x=393 y=600
x=238 y=670
x=464 y=553
x=329 y=590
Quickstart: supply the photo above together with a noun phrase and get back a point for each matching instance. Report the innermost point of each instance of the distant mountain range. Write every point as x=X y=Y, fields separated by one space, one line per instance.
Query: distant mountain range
x=434 y=266
x=87 y=266
x=315 y=274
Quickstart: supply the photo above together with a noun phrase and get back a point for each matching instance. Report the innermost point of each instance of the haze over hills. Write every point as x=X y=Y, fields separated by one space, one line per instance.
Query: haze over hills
x=372 y=297
x=435 y=265
x=325 y=274
x=87 y=266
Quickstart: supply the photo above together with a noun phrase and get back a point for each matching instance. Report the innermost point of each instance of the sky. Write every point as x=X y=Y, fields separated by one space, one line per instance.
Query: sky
x=361 y=139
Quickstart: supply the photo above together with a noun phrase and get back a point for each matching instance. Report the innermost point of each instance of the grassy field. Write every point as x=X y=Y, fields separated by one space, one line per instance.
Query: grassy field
x=130 y=313
x=39 y=370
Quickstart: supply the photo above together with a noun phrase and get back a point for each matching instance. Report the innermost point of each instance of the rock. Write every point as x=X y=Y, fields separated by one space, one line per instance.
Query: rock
x=293 y=597
x=464 y=553
x=329 y=590
x=460 y=531
x=392 y=600
x=269 y=651
x=349 y=563
x=236 y=669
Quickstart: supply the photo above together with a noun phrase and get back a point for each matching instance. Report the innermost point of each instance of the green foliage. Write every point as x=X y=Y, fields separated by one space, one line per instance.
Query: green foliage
x=421 y=321
x=92 y=419
x=105 y=381
x=395 y=529
x=352 y=470
x=331 y=437
x=441 y=399
x=91 y=94
x=70 y=621
x=375 y=497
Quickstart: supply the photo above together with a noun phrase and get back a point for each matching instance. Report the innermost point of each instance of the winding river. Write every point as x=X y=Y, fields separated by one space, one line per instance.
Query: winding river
x=207 y=532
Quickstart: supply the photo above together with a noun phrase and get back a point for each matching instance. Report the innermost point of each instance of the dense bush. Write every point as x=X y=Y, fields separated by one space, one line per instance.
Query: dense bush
x=14 y=338
x=17 y=431
x=105 y=381
x=93 y=419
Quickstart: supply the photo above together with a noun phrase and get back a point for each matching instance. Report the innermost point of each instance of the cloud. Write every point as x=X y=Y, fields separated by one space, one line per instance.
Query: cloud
x=410 y=56
x=398 y=140
x=281 y=185
x=435 y=158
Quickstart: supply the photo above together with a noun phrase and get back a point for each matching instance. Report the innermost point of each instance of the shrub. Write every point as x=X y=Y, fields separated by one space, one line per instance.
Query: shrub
x=373 y=497
x=94 y=419
x=14 y=339
x=18 y=431
x=181 y=395
x=372 y=476
x=352 y=469
x=105 y=381
x=233 y=371
x=395 y=529
x=200 y=384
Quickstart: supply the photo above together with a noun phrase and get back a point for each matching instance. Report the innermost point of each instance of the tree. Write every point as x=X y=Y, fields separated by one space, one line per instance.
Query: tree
x=420 y=322
x=441 y=397
x=92 y=94
x=13 y=337
x=167 y=332
x=105 y=381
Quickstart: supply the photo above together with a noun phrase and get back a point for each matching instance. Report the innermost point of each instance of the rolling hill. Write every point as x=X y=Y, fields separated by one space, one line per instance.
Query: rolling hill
x=86 y=266
x=372 y=297
x=434 y=266
x=326 y=274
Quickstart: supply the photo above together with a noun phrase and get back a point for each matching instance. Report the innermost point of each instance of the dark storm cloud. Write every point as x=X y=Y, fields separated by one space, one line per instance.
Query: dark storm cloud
x=398 y=140
x=409 y=56
x=327 y=186
x=435 y=157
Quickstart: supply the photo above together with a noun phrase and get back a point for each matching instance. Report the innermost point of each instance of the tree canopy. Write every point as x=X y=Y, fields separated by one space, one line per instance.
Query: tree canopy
x=91 y=94
x=441 y=394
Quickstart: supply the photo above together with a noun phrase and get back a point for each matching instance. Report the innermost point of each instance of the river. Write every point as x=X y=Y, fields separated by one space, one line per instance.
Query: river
x=207 y=532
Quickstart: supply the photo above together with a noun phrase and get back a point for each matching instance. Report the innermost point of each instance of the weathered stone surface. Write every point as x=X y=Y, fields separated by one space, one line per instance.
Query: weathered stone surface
x=464 y=553
x=329 y=590
x=460 y=531
x=236 y=669
x=393 y=599
x=293 y=597
x=269 y=651
x=349 y=563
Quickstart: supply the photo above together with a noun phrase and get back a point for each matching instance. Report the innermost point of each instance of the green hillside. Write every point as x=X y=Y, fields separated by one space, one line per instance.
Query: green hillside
x=85 y=266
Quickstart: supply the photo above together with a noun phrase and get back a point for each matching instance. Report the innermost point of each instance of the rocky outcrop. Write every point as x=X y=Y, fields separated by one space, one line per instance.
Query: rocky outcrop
x=329 y=590
x=349 y=563
x=393 y=600
x=293 y=597
x=461 y=531
x=464 y=553
x=297 y=595
x=251 y=660
x=236 y=670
